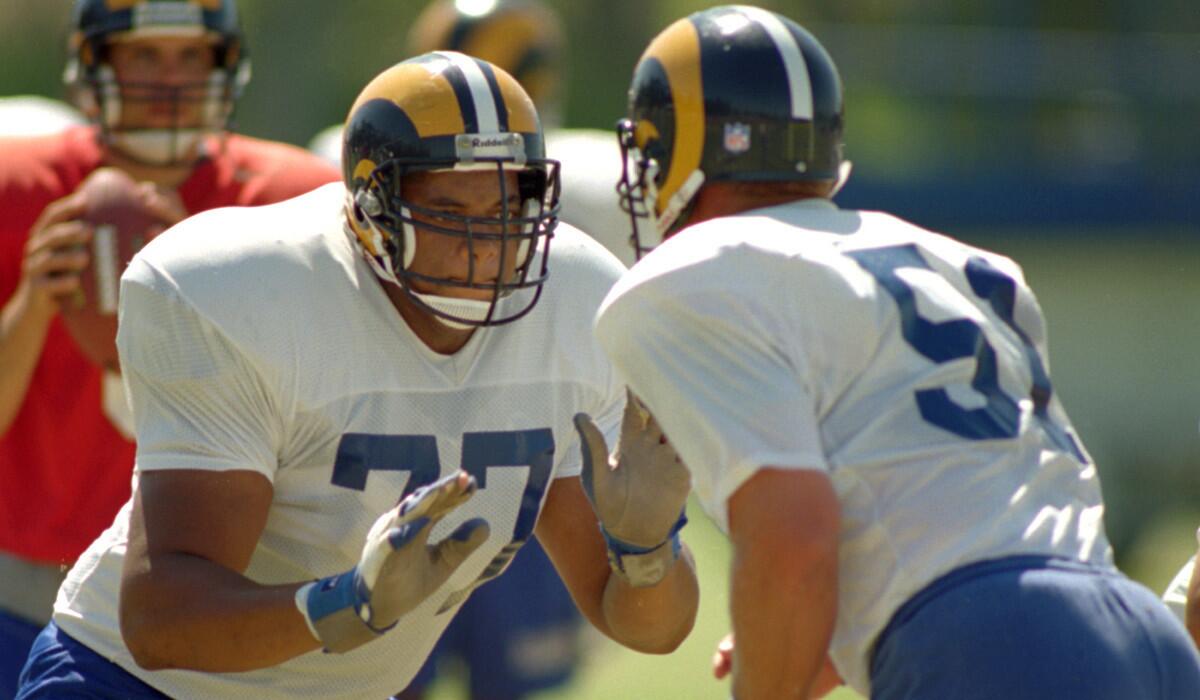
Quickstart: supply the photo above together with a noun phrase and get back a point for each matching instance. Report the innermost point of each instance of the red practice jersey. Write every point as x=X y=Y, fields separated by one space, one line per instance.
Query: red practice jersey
x=64 y=468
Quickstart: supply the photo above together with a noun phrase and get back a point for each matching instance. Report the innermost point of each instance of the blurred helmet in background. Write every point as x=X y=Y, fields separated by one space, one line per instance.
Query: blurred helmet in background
x=184 y=112
x=525 y=38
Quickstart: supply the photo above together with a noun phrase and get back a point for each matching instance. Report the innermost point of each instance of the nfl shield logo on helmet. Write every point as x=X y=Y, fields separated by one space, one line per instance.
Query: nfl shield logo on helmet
x=737 y=137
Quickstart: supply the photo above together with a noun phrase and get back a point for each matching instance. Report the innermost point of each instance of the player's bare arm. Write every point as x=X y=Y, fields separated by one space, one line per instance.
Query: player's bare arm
x=653 y=619
x=784 y=528
x=642 y=591
x=185 y=603
x=49 y=271
x=184 y=600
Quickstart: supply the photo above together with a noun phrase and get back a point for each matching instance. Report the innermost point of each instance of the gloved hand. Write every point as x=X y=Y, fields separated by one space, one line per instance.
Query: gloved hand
x=398 y=569
x=638 y=493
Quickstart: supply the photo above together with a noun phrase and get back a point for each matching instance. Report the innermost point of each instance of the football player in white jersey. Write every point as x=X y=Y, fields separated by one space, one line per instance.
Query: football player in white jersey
x=864 y=406
x=528 y=615
x=353 y=407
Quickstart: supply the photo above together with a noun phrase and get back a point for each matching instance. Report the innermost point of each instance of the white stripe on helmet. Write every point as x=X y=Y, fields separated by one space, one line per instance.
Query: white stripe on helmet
x=481 y=92
x=793 y=59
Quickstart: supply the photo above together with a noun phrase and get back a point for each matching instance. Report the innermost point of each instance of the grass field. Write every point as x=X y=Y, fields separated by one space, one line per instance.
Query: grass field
x=613 y=673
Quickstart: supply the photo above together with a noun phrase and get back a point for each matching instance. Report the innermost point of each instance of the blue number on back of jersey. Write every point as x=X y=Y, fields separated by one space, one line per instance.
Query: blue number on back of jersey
x=951 y=340
x=359 y=453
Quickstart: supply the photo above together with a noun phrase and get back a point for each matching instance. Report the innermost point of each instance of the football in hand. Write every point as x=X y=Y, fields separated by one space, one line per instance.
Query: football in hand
x=122 y=223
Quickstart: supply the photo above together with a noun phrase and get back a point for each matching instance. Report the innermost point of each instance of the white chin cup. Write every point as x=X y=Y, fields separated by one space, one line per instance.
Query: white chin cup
x=471 y=309
x=160 y=146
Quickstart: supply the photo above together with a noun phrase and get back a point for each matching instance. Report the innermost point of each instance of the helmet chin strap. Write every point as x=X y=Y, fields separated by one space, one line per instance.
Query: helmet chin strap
x=678 y=203
x=843 y=175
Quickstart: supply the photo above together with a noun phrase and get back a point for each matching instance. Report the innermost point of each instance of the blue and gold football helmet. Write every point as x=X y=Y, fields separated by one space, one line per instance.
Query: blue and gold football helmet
x=91 y=81
x=446 y=111
x=733 y=93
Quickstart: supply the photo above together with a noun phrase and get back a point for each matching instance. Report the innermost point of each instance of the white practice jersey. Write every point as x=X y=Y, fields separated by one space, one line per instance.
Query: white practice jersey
x=1176 y=594
x=259 y=339
x=908 y=366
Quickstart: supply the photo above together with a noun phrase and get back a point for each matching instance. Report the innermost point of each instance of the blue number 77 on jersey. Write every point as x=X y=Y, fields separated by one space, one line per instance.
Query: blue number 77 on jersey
x=359 y=453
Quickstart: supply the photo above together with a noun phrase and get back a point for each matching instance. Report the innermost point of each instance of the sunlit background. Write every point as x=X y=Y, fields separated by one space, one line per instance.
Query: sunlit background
x=1064 y=134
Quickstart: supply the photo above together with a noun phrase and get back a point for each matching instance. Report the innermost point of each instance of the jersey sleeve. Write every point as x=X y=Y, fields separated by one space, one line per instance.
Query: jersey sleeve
x=197 y=402
x=729 y=399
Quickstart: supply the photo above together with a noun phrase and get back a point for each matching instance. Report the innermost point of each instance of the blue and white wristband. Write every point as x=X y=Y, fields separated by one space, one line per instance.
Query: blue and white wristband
x=335 y=611
x=642 y=567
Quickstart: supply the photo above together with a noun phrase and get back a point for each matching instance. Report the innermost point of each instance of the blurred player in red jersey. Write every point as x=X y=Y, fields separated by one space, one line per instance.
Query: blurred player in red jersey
x=158 y=80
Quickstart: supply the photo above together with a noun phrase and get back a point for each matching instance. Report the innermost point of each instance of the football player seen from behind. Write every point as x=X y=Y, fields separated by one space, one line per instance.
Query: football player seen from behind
x=864 y=406
x=347 y=426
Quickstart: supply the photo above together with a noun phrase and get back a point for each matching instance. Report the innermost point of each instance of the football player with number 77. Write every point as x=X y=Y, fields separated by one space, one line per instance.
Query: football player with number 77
x=297 y=369
x=864 y=406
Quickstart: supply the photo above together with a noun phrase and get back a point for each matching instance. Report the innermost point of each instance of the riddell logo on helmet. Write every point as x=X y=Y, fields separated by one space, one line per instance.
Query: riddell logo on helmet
x=471 y=146
x=167 y=14
x=501 y=141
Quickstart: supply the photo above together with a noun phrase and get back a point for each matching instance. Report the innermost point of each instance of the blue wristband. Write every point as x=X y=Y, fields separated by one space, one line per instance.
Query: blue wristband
x=344 y=591
x=644 y=566
x=620 y=547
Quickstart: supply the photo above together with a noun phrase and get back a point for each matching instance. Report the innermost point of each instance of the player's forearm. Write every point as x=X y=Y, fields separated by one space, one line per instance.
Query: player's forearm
x=784 y=604
x=185 y=612
x=23 y=326
x=655 y=619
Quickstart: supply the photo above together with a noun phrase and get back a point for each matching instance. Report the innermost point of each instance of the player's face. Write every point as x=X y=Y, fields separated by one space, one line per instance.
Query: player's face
x=450 y=256
x=163 y=80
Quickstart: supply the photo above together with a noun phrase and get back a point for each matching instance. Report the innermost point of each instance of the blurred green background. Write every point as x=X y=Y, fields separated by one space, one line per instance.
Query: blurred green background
x=1062 y=134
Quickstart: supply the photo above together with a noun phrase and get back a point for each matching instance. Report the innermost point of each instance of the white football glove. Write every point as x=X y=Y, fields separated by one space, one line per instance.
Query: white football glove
x=638 y=493
x=398 y=568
